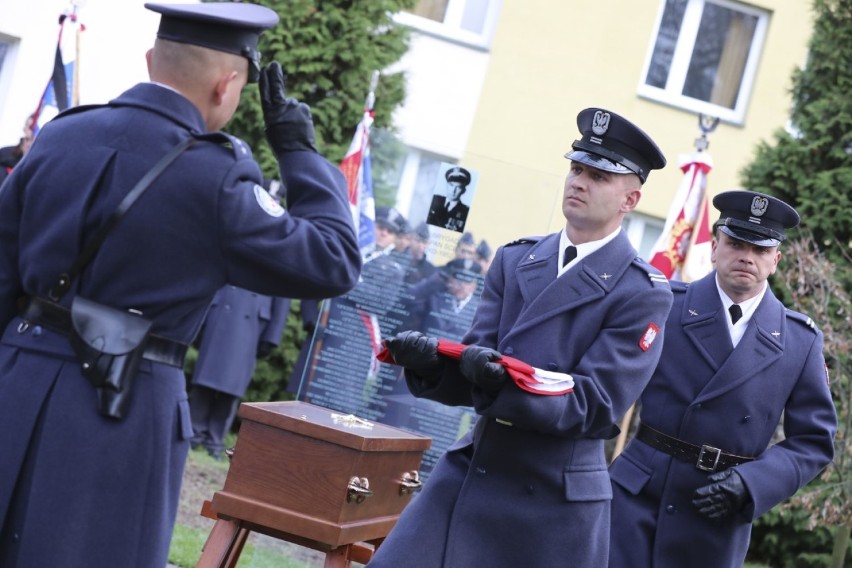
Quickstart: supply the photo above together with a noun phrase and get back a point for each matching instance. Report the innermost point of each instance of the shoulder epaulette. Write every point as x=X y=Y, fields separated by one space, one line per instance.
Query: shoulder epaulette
x=802 y=319
x=241 y=149
x=524 y=241
x=655 y=276
x=678 y=286
x=76 y=110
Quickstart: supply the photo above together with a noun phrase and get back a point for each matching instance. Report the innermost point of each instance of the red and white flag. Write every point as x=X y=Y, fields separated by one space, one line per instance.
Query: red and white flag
x=684 y=228
x=525 y=376
x=698 y=264
x=357 y=169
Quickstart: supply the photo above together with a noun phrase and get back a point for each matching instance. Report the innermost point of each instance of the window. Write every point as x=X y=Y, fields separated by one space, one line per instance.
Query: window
x=7 y=56
x=705 y=55
x=643 y=232
x=466 y=21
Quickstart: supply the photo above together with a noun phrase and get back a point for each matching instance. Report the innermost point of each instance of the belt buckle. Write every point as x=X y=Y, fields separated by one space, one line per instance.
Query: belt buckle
x=707 y=450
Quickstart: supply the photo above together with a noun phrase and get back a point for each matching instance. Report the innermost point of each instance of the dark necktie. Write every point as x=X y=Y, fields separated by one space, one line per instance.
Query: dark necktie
x=570 y=254
x=736 y=313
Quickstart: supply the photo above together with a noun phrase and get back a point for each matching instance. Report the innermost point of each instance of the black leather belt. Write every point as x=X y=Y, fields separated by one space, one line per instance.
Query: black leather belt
x=58 y=318
x=705 y=458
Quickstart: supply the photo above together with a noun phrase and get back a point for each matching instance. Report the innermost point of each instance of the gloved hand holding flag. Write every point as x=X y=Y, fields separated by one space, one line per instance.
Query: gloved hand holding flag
x=525 y=376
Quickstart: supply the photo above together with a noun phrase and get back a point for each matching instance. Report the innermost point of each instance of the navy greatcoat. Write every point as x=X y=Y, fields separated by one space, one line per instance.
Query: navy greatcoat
x=706 y=392
x=105 y=492
x=529 y=486
x=238 y=322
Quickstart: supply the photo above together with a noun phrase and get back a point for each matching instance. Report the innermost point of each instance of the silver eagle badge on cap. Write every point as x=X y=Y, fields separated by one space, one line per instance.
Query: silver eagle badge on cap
x=759 y=205
x=600 y=123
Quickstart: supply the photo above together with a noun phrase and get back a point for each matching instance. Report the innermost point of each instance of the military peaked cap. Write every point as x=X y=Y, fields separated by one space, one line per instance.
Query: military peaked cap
x=232 y=27
x=458 y=174
x=614 y=144
x=754 y=217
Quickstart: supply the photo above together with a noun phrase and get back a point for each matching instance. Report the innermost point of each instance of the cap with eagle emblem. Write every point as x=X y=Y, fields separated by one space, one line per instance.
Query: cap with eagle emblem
x=612 y=143
x=754 y=217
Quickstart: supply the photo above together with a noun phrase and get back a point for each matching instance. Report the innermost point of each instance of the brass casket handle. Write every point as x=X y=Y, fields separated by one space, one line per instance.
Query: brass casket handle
x=358 y=490
x=410 y=483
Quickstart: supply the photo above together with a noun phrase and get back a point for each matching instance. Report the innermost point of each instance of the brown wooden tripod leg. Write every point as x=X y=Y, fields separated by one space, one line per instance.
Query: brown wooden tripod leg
x=224 y=544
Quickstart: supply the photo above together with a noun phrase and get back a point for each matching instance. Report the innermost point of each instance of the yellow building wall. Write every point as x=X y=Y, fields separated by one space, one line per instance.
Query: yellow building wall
x=552 y=58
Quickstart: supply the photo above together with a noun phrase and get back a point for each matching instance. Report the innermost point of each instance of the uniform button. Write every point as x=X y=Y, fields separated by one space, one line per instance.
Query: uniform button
x=670 y=509
x=480 y=471
x=16 y=537
x=552 y=366
x=508 y=351
x=530 y=489
x=37 y=330
x=698 y=406
x=746 y=419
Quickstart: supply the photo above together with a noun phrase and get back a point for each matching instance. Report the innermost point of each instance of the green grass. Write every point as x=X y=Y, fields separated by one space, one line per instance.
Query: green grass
x=187 y=542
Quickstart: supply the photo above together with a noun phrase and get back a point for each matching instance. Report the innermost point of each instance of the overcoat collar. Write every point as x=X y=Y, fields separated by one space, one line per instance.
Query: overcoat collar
x=166 y=102
x=703 y=320
x=546 y=296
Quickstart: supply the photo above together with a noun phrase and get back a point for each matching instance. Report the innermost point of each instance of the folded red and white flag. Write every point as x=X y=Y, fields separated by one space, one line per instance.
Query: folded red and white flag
x=525 y=376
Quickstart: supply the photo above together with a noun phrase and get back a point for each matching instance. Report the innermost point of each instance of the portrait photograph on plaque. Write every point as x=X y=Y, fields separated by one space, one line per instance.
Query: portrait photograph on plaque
x=451 y=199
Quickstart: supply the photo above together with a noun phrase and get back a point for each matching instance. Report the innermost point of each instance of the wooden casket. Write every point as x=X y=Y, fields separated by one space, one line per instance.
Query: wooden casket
x=324 y=476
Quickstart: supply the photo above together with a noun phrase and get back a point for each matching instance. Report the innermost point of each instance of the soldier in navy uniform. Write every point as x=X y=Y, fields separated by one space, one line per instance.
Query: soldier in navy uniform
x=443 y=305
x=529 y=485
x=449 y=211
x=78 y=488
x=241 y=327
x=700 y=470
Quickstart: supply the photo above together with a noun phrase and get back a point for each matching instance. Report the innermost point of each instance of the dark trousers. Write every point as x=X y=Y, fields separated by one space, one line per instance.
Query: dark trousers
x=212 y=413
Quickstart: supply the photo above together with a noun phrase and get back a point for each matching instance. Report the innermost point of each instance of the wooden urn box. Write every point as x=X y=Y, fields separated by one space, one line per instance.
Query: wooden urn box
x=309 y=471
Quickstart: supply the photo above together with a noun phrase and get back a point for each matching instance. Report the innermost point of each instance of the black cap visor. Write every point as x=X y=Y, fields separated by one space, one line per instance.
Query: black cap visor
x=598 y=161
x=747 y=232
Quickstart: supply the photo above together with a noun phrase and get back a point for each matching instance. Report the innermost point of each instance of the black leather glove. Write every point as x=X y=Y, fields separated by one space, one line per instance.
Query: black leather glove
x=265 y=349
x=289 y=126
x=478 y=365
x=723 y=497
x=418 y=353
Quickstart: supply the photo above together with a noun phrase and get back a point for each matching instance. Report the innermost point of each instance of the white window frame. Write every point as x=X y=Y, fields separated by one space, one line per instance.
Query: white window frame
x=450 y=28
x=671 y=94
x=6 y=67
x=636 y=225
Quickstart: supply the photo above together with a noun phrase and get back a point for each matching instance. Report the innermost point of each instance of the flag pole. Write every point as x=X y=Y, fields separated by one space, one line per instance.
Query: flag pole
x=75 y=95
x=706 y=124
x=371 y=95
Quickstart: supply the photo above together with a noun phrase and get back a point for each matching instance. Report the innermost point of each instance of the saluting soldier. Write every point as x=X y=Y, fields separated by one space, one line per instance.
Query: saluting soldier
x=700 y=470
x=529 y=486
x=79 y=489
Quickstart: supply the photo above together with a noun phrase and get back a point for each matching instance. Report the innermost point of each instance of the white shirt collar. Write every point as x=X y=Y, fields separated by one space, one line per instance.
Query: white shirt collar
x=747 y=306
x=583 y=250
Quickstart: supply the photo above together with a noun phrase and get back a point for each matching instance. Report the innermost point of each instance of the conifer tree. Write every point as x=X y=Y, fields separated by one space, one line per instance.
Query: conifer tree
x=809 y=165
x=329 y=50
